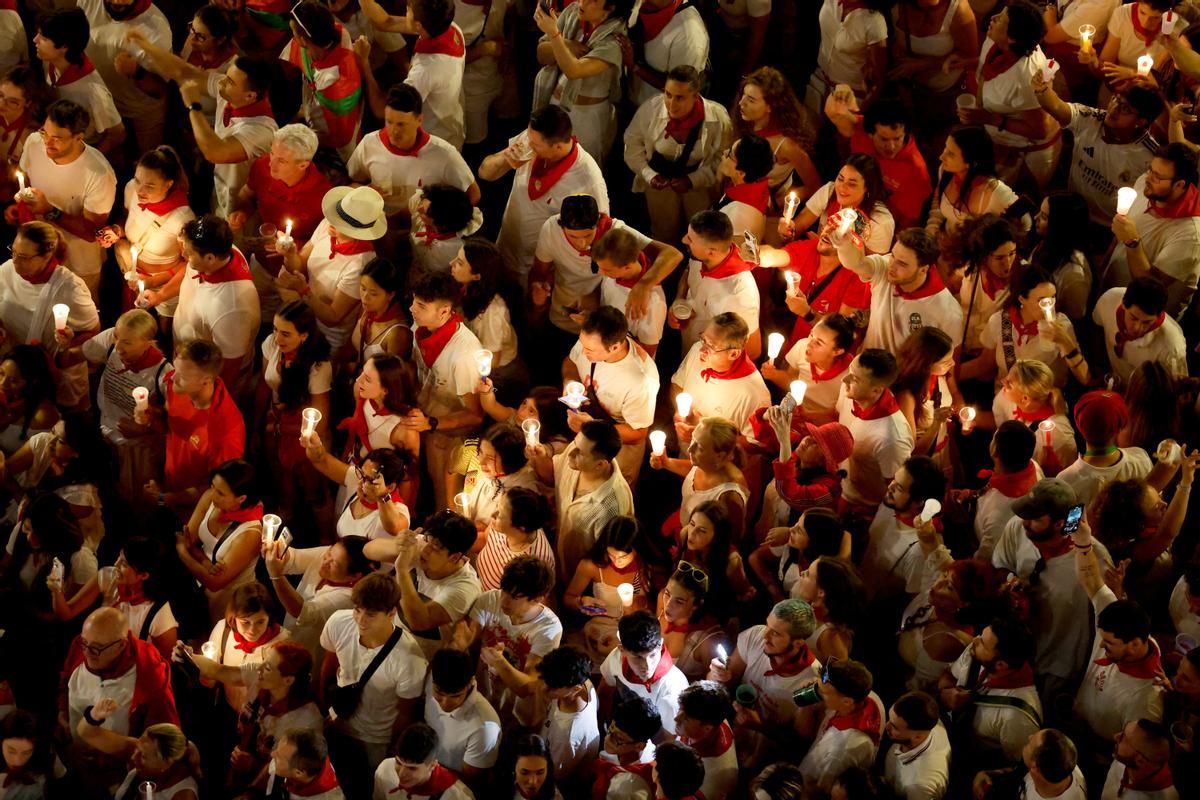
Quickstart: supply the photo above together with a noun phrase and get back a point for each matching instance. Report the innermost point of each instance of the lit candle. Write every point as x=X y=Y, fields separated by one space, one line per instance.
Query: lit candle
x=1086 y=32
x=1047 y=306
x=625 y=592
x=287 y=228
x=20 y=180
x=483 y=361
x=532 y=429
x=1145 y=64
x=462 y=502
x=789 y=206
x=930 y=510
x=61 y=312
x=658 y=442
x=793 y=281
x=133 y=257
x=1046 y=426
x=683 y=404
x=797 y=389
x=775 y=345
x=1168 y=22
x=270 y=524
x=309 y=418
x=141 y=401
x=140 y=302
x=1125 y=197
x=1111 y=379
x=574 y=397
x=208 y=650
x=966 y=415
x=147 y=789
x=848 y=217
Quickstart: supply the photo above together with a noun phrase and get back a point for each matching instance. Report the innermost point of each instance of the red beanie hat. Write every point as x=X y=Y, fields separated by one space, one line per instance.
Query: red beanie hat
x=1099 y=416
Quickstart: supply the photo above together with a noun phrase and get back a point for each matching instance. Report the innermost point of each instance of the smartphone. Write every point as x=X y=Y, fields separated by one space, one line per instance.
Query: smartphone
x=595 y=609
x=544 y=5
x=1074 y=517
x=788 y=404
x=284 y=536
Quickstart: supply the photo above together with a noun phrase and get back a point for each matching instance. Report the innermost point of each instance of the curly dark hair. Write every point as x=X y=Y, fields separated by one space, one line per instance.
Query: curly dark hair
x=786 y=111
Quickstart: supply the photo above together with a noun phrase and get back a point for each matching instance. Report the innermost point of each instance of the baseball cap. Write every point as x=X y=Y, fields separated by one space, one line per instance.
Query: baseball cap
x=1099 y=416
x=1048 y=497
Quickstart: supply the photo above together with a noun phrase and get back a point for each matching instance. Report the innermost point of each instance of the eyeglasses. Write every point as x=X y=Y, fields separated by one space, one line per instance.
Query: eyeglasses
x=712 y=348
x=693 y=573
x=98 y=649
x=362 y=476
x=23 y=257
x=200 y=37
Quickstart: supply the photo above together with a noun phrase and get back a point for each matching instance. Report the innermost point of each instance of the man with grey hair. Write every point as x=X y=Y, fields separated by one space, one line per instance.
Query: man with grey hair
x=769 y=663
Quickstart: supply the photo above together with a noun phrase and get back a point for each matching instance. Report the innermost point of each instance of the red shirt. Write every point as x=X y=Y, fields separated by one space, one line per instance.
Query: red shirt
x=906 y=177
x=845 y=288
x=200 y=439
x=278 y=202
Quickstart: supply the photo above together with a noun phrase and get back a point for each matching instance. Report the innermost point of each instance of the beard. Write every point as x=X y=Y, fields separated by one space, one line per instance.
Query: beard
x=120 y=13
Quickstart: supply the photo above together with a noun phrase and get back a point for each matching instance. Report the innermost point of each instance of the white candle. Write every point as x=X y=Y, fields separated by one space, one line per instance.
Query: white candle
x=1168 y=22
x=483 y=362
x=309 y=417
x=1145 y=64
x=61 y=312
x=147 y=789
x=532 y=429
x=287 y=229
x=209 y=650
x=683 y=404
x=625 y=592
x=1046 y=426
x=966 y=415
x=462 y=502
x=141 y=400
x=790 y=205
x=133 y=257
x=1125 y=197
x=270 y=524
x=1047 y=306
x=1086 y=32
x=930 y=510
x=574 y=398
x=658 y=442
x=1049 y=70
x=20 y=180
x=792 y=280
x=722 y=655
x=798 y=388
x=848 y=217
x=775 y=345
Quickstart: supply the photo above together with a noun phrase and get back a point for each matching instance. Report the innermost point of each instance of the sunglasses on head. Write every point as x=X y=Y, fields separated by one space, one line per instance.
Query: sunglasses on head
x=691 y=572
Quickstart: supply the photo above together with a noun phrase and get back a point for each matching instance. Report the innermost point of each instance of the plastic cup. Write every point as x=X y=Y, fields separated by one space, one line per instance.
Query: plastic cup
x=807 y=695
x=105 y=578
x=681 y=310
x=625 y=592
x=268 y=230
x=462 y=502
x=209 y=650
x=965 y=101
x=746 y=695
x=310 y=417
x=61 y=312
x=1185 y=643
x=683 y=404
x=532 y=430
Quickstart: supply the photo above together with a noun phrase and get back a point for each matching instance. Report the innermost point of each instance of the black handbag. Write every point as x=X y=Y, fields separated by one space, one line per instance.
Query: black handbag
x=344 y=700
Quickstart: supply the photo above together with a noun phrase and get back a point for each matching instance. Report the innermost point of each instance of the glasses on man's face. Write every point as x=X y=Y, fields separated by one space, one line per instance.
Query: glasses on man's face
x=24 y=258
x=197 y=35
x=709 y=347
x=98 y=650
x=694 y=574
x=365 y=477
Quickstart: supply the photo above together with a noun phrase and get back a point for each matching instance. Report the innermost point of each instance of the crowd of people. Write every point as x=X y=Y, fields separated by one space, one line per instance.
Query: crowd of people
x=655 y=400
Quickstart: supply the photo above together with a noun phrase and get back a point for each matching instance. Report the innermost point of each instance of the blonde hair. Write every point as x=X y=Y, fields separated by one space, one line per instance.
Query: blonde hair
x=722 y=434
x=46 y=237
x=1033 y=376
x=171 y=743
x=139 y=321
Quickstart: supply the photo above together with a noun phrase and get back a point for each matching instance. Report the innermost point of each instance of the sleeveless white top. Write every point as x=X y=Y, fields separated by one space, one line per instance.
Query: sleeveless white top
x=693 y=498
x=939 y=44
x=209 y=543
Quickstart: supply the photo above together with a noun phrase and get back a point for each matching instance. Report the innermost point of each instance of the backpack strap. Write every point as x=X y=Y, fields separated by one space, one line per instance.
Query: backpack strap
x=1006 y=340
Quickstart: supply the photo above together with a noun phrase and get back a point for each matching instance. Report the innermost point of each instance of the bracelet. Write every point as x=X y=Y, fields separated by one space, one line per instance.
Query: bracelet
x=1184 y=487
x=1071 y=354
x=277 y=577
x=1083 y=547
x=810 y=316
x=87 y=716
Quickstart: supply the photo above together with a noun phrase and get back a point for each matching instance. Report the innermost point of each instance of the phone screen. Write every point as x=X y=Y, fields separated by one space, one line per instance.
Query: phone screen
x=1074 y=516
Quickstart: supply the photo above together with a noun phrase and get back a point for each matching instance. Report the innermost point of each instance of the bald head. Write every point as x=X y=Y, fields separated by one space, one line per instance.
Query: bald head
x=104 y=637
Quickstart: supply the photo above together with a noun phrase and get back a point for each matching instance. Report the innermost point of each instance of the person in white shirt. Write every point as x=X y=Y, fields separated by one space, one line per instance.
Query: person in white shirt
x=1028 y=395
x=820 y=360
x=572 y=727
x=1160 y=236
x=1013 y=474
x=640 y=666
x=849 y=732
x=620 y=382
x=624 y=769
x=1137 y=329
x=71 y=185
x=62 y=36
x=665 y=35
x=436 y=71
x=718 y=280
x=442 y=220
x=622 y=266
x=894 y=562
x=858 y=187
x=414 y=772
x=1052 y=771
x=447 y=404
x=549 y=166
x=362 y=726
x=882 y=437
x=745 y=193
x=917 y=764
x=1099 y=418
x=721 y=380
x=679 y=771
x=467 y=726
x=1141 y=763
x=674 y=146
x=300 y=760
x=14 y=44
x=906 y=289
x=702 y=724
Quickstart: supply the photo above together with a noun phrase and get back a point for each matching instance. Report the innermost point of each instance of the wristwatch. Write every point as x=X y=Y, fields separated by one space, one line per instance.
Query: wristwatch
x=52 y=215
x=195 y=107
x=433 y=423
x=1133 y=243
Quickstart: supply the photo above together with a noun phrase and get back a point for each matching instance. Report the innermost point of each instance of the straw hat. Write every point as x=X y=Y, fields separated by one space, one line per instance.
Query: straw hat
x=356 y=212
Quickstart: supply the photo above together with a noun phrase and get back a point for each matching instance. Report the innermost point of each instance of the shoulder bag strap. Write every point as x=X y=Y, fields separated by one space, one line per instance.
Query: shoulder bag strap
x=144 y=633
x=1006 y=340
x=228 y=532
x=823 y=284
x=380 y=657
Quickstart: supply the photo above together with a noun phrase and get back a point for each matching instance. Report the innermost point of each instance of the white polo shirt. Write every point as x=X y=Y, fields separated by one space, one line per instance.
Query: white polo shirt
x=437 y=73
x=1001 y=727
x=778 y=688
x=647 y=329
x=86 y=184
x=573 y=736
x=85 y=688
x=1171 y=245
x=255 y=134
x=922 y=773
x=627 y=388
x=330 y=273
x=1062 y=437
x=710 y=296
x=835 y=750
x=663 y=693
x=401 y=676
x=894 y=317
x=735 y=399
x=1165 y=344
x=1086 y=479
x=451 y=376
x=226 y=313
x=881 y=447
x=399 y=176
x=467 y=736
x=683 y=40
x=1109 y=697
x=1099 y=168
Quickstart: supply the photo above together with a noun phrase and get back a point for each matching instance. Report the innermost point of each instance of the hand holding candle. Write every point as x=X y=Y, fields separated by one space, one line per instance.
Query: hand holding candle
x=790 y=205
x=310 y=418
x=483 y=361
x=1145 y=64
x=1086 y=32
x=574 y=395
x=658 y=443
x=793 y=281
x=1125 y=197
x=1046 y=428
x=683 y=405
x=141 y=402
x=775 y=345
x=61 y=312
x=966 y=415
x=1047 y=306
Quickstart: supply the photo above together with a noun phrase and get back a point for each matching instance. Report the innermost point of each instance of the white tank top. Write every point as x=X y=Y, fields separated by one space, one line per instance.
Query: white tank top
x=938 y=44
x=693 y=499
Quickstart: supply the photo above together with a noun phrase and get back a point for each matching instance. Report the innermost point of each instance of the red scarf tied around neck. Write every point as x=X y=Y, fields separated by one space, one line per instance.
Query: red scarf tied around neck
x=259 y=108
x=653 y=22
x=664 y=666
x=1146 y=668
x=1188 y=205
x=432 y=343
x=866 y=719
x=756 y=194
x=246 y=645
x=1010 y=484
x=740 y=368
x=419 y=142
x=45 y=275
x=1025 y=330
x=885 y=406
x=731 y=265
x=357 y=424
x=1123 y=336
x=543 y=175
x=351 y=247
x=176 y=199
x=932 y=285
x=72 y=73
x=998 y=62
x=253 y=513
x=678 y=129
x=1145 y=34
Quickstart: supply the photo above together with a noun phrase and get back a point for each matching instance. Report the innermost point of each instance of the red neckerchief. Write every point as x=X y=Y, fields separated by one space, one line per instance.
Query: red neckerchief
x=866 y=719
x=992 y=284
x=678 y=129
x=371 y=506
x=46 y=273
x=1156 y=781
x=235 y=270
x=1146 y=668
x=248 y=647
x=1043 y=413
x=740 y=368
x=1188 y=205
x=1058 y=546
x=418 y=143
x=19 y=124
x=1147 y=36
x=428 y=236
x=440 y=780
x=285 y=361
x=732 y=264
x=148 y=359
x=1123 y=337
x=176 y=199
x=260 y=108
x=1015 y=679
x=126 y=593
x=835 y=369
x=998 y=62
x=653 y=22
x=769 y=130
x=351 y=247
x=607 y=770
x=250 y=514
x=325 y=782
x=357 y=423
x=447 y=43
x=370 y=318
x=543 y=176
x=932 y=285
x=793 y=666
x=715 y=747
x=1011 y=484
x=754 y=194
x=152 y=681
x=72 y=73
x=885 y=406
x=603 y=225
x=1024 y=330
x=433 y=342
x=664 y=666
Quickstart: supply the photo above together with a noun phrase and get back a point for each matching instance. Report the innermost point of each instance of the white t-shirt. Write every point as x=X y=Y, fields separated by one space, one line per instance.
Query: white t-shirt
x=1035 y=347
x=320 y=375
x=86 y=184
x=1120 y=25
x=821 y=396
x=1165 y=344
x=1099 y=168
x=1076 y=791
x=401 y=676
x=467 y=736
x=709 y=297
x=683 y=40
x=320 y=601
x=1086 y=479
x=775 y=686
x=1004 y=728
x=736 y=399
x=626 y=389
x=90 y=93
x=992 y=512
x=329 y=274
x=369 y=526
x=14 y=46
x=1113 y=790
x=1010 y=92
x=452 y=376
x=455 y=593
x=879 y=230
x=894 y=317
x=880 y=449
x=438 y=77
x=663 y=693
x=1171 y=245
x=521 y=642
x=844 y=42
x=227 y=313
x=493 y=327
x=1074 y=13
x=108 y=38
x=648 y=329
x=255 y=134
x=573 y=736
x=1185 y=620
x=399 y=176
